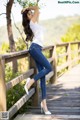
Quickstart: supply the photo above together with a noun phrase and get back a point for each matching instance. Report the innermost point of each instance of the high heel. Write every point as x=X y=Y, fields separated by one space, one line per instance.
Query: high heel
x=25 y=86
x=45 y=112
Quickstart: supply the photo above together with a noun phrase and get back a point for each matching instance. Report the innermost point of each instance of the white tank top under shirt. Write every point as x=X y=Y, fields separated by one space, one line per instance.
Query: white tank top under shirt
x=38 y=33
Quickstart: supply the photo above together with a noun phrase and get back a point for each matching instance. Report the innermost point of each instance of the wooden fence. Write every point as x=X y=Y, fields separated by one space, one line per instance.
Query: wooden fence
x=52 y=76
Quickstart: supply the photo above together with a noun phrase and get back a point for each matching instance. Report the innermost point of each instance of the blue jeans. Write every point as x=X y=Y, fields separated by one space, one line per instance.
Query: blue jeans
x=42 y=64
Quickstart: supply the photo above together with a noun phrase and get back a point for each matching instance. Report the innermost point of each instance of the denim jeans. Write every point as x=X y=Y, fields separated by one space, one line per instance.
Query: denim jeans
x=42 y=64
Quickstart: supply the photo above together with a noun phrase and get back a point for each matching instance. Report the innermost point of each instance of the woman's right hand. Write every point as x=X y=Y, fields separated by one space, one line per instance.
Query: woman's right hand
x=30 y=8
x=33 y=7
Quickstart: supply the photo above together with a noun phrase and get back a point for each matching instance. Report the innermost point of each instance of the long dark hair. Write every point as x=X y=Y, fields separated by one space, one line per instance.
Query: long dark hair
x=25 y=23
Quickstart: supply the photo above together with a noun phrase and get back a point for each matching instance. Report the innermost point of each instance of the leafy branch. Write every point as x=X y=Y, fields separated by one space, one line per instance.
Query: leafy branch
x=19 y=31
x=27 y=3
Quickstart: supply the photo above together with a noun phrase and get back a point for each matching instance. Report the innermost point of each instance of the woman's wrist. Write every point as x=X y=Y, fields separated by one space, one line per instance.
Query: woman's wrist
x=33 y=7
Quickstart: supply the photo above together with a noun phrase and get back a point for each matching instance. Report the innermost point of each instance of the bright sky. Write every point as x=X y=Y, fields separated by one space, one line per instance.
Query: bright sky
x=51 y=9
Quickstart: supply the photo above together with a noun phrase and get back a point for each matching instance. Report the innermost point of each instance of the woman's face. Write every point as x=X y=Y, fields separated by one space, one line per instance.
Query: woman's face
x=30 y=14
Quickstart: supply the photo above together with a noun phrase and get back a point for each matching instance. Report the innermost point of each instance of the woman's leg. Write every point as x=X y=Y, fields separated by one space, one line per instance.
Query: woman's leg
x=44 y=67
x=42 y=81
x=37 y=55
x=42 y=60
x=43 y=87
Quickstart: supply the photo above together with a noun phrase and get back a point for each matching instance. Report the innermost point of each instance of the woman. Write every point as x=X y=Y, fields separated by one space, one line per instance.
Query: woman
x=34 y=33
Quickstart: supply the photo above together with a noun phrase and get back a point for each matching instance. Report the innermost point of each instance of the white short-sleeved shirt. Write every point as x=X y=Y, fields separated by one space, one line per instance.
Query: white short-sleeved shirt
x=38 y=33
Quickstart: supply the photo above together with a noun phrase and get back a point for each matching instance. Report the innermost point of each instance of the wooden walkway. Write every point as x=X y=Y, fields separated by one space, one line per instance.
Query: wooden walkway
x=63 y=99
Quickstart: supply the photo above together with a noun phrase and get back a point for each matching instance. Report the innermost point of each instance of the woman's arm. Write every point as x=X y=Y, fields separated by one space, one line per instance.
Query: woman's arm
x=36 y=13
x=32 y=7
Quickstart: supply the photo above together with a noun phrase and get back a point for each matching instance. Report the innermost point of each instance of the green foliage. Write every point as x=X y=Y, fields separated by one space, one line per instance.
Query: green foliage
x=60 y=51
x=5 y=48
x=61 y=60
x=8 y=72
x=73 y=34
x=15 y=93
x=27 y=3
x=20 y=45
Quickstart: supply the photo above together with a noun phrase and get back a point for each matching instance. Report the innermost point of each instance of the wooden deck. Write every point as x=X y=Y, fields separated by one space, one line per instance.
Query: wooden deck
x=63 y=99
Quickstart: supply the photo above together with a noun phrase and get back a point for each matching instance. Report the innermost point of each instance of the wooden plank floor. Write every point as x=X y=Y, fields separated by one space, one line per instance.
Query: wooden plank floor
x=63 y=98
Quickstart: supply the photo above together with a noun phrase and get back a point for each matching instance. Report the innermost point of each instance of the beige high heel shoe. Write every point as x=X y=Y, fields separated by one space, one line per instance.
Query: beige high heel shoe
x=25 y=86
x=45 y=112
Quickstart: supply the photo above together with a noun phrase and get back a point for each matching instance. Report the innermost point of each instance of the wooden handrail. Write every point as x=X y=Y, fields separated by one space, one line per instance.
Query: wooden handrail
x=20 y=53
x=34 y=93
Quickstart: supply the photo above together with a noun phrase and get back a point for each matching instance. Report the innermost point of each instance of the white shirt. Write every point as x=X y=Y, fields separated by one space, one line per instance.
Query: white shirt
x=38 y=33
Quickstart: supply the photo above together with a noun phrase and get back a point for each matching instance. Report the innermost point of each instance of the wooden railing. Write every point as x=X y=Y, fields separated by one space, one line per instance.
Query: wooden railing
x=52 y=76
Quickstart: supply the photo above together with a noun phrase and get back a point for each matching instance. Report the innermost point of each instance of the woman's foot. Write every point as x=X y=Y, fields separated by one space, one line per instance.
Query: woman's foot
x=28 y=84
x=44 y=108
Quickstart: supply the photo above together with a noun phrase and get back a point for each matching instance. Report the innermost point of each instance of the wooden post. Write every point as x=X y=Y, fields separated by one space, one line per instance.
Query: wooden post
x=35 y=97
x=54 y=65
x=68 y=58
x=79 y=51
x=67 y=48
x=2 y=86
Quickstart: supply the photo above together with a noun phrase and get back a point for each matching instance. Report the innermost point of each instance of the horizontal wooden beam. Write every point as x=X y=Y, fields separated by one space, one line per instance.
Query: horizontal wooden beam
x=16 y=57
x=66 y=44
x=14 y=54
x=50 y=59
x=77 y=42
x=20 y=56
x=59 y=68
x=62 y=44
x=20 y=53
x=20 y=103
x=49 y=75
x=48 y=47
x=62 y=55
x=18 y=79
x=74 y=52
x=74 y=60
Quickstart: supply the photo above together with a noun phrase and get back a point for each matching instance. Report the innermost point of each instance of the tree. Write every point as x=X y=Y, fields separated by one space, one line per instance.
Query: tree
x=9 y=25
x=10 y=32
